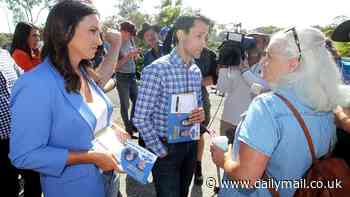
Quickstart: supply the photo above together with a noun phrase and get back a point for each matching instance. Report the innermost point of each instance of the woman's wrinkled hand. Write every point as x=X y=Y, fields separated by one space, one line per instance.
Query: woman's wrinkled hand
x=219 y=156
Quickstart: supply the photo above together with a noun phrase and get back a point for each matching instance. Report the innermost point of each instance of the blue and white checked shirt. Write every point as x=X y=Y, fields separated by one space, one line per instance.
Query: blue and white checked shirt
x=8 y=76
x=166 y=76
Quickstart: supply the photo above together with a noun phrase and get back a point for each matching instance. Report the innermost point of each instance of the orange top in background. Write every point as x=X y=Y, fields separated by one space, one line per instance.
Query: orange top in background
x=24 y=61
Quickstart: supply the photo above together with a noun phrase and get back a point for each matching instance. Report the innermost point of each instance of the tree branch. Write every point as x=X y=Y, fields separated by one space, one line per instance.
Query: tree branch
x=37 y=16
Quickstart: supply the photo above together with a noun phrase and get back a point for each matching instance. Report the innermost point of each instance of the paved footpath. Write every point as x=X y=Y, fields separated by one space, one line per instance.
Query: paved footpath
x=130 y=188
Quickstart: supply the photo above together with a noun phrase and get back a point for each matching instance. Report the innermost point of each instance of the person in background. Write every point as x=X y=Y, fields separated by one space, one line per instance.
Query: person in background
x=126 y=75
x=58 y=108
x=149 y=33
x=25 y=48
x=342 y=114
x=237 y=82
x=251 y=70
x=9 y=174
x=237 y=98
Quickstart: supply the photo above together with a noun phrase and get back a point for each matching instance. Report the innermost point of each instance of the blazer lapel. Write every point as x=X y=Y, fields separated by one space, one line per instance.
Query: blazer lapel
x=75 y=99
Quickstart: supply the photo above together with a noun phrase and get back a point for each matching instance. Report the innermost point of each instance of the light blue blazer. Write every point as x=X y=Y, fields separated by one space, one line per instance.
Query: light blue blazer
x=47 y=123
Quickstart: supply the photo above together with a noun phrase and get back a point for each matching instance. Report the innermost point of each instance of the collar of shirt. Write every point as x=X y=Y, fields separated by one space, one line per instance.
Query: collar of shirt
x=175 y=59
x=288 y=92
x=158 y=54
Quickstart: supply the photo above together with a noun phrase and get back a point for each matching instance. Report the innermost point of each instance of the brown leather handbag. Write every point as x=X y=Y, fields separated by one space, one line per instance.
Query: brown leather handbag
x=325 y=172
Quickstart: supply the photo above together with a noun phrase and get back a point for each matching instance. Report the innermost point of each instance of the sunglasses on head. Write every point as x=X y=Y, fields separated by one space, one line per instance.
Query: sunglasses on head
x=296 y=39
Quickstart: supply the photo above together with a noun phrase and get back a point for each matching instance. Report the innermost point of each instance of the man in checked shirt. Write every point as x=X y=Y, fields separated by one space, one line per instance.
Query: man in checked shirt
x=174 y=73
x=8 y=173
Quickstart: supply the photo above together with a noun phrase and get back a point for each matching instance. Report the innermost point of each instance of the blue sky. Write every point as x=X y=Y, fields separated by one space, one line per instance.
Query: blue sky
x=252 y=13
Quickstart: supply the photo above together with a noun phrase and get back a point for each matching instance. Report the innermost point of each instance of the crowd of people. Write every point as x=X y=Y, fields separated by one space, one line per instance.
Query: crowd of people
x=53 y=103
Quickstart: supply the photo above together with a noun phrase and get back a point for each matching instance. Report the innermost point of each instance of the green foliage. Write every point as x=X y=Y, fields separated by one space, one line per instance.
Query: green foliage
x=110 y=22
x=343 y=48
x=5 y=39
x=139 y=18
x=267 y=29
x=169 y=11
x=24 y=10
x=129 y=10
x=126 y=7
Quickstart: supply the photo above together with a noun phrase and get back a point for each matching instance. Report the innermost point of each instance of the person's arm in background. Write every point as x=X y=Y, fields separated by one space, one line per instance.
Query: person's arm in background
x=106 y=69
x=125 y=58
x=133 y=54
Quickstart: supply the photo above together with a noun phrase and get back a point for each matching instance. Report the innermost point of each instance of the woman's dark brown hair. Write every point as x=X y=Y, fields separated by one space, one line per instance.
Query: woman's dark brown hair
x=20 y=37
x=59 y=31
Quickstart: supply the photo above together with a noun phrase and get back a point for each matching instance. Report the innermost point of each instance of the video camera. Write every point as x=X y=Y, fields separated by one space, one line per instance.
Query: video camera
x=234 y=47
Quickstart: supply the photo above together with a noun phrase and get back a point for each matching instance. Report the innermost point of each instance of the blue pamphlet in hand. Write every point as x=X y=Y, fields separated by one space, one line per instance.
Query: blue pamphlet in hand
x=180 y=129
x=137 y=162
x=133 y=159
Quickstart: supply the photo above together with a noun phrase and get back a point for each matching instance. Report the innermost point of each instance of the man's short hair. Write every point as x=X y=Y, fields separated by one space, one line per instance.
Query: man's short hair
x=185 y=23
x=128 y=27
x=146 y=27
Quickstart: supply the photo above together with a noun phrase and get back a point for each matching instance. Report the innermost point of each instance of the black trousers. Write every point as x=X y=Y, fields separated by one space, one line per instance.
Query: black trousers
x=9 y=176
x=173 y=173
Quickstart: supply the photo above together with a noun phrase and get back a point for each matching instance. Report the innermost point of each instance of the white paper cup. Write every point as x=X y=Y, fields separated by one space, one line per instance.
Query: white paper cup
x=256 y=88
x=221 y=142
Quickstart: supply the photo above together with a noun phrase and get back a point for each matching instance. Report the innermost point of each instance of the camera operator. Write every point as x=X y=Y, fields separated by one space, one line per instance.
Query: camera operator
x=238 y=71
x=251 y=71
x=238 y=97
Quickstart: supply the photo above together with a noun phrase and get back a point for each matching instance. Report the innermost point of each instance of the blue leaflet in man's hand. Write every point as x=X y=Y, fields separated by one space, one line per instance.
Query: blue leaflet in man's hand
x=180 y=129
x=136 y=161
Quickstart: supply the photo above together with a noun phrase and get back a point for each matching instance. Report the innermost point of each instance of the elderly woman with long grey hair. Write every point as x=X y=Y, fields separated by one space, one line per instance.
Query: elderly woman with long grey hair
x=269 y=140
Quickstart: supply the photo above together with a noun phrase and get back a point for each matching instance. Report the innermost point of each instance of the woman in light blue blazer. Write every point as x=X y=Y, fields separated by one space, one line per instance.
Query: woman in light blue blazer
x=58 y=106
